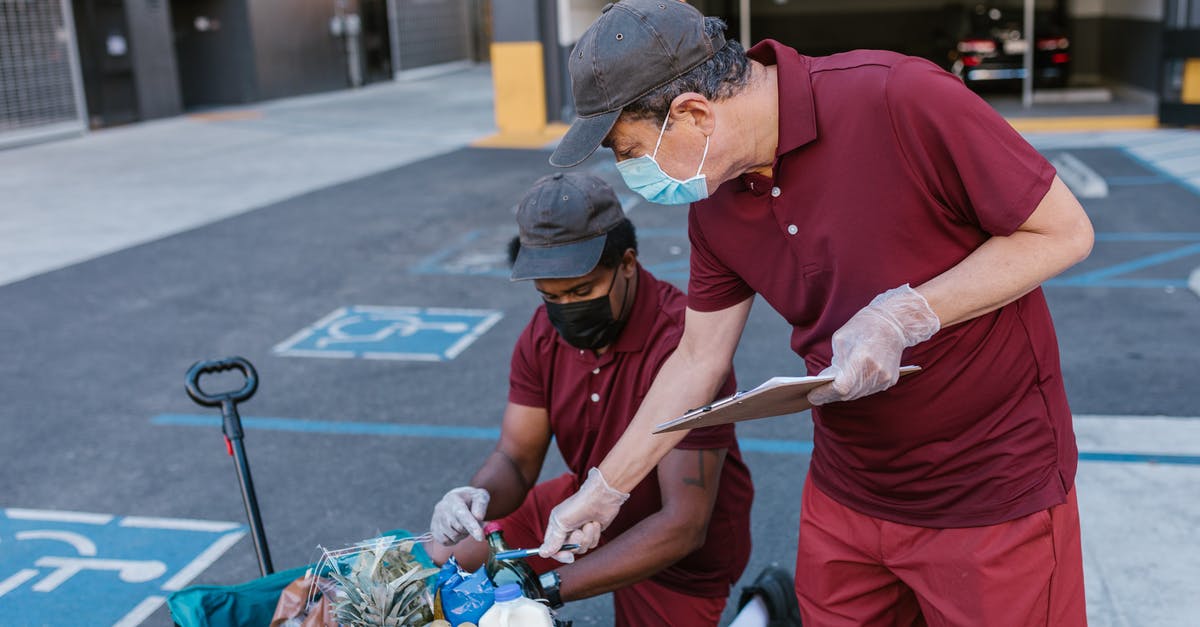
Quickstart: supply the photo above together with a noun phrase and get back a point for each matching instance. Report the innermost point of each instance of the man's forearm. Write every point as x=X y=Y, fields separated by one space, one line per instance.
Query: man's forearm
x=502 y=477
x=1004 y=269
x=645 y=549
x=683 y=383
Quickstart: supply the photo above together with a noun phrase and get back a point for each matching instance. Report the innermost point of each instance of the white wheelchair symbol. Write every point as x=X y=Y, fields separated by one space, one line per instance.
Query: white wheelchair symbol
x=63 y=568
x=386 y=325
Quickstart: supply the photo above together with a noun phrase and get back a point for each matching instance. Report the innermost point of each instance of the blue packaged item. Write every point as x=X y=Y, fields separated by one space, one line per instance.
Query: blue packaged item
x=465 y=596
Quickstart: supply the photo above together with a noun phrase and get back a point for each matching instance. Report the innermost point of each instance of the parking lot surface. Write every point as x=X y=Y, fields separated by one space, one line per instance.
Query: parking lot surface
x=352 y=247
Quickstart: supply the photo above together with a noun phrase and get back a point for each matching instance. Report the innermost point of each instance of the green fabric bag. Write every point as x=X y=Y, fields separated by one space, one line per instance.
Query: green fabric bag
x=250 y=604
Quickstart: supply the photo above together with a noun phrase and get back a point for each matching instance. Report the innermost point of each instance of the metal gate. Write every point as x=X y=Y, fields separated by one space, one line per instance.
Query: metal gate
x=1179 y=102
x=428 y=36
x=41 y=93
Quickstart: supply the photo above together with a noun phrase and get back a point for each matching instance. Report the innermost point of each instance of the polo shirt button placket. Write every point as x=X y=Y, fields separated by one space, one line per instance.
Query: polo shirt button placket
x=775 y=192
x=595 y=397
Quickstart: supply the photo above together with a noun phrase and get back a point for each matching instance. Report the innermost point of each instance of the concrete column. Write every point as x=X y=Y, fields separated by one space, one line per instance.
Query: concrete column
x=518 y=68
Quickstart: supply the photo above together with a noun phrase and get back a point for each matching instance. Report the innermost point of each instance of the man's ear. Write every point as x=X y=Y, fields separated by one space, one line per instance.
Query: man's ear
x=694 y=108
x=629 y=262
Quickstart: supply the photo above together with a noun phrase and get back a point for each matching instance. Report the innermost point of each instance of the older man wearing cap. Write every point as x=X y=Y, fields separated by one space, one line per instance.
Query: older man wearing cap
x=578 y=373
x=891 y=217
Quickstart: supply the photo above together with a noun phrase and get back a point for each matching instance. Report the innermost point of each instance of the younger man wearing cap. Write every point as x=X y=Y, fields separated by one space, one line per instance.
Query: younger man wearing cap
x=890 y=216
x=579 y=371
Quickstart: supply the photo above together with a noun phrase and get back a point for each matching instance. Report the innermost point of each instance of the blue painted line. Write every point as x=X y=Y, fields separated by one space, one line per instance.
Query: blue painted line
x=1089 y=278
x=753 y=445
x=1137 y=180
x=1151 y=166
x=1140 y=458
x=1119 y=283
x=337 y=428
x=778 y=447
x=1148 y=237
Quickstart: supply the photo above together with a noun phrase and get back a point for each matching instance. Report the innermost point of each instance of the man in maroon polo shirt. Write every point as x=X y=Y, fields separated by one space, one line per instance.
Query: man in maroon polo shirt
x=579 y=371
x=891 y=217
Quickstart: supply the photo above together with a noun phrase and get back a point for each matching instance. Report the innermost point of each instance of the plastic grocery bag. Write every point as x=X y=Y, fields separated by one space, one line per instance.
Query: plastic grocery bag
x=464 y=596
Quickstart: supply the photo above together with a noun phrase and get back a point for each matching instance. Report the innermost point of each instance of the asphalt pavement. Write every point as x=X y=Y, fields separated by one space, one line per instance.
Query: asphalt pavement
x=351 y=246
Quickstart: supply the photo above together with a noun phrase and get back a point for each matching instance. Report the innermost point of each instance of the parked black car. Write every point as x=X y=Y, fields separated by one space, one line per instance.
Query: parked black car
x=989 y=48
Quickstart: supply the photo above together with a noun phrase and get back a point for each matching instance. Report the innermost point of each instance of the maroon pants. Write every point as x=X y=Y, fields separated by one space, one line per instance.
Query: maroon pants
x=854 y=569
x=645 y=603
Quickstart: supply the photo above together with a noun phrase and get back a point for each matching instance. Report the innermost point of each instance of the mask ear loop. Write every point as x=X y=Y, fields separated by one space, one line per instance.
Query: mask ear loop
x=702 y=157
x=660 y=136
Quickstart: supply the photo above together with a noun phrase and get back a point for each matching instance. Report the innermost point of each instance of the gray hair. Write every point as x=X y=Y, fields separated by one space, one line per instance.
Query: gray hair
x=722 y=76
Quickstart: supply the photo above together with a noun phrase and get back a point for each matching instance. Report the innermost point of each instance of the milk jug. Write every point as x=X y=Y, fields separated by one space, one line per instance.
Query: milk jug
x=512 y=609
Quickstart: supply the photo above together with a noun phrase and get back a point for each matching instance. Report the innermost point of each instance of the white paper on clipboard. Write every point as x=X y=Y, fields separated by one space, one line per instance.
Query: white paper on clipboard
x=774 y=397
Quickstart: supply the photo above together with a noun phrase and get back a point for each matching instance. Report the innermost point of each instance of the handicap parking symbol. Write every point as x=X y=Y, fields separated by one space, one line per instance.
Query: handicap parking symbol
x=403 y=333
x=75 y=568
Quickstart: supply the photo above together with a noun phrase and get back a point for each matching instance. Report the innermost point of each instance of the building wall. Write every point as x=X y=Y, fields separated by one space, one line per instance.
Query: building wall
x=153 y=47
x=431 y=32
x=294 y=52
x=1117 y=41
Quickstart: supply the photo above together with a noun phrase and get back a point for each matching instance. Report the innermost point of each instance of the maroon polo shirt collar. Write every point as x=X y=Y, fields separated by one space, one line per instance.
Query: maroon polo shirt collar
x=637 y=325
x=797 y=115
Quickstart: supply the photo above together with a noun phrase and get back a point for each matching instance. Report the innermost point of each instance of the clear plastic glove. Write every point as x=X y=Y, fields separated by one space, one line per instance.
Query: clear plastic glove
x=581 y=518
x=867 y=349
x=458 y=515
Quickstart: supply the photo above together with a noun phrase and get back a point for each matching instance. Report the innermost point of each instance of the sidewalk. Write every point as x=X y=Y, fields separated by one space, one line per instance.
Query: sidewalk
x=73 y=200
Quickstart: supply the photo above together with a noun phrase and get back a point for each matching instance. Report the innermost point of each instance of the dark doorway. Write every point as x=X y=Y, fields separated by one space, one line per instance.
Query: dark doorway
x=213 y=52
x=106 y=62
x=376 y=43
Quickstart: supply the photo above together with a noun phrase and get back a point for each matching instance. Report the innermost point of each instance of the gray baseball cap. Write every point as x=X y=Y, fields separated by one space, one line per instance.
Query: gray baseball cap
x=634 y=47
x=564 y=221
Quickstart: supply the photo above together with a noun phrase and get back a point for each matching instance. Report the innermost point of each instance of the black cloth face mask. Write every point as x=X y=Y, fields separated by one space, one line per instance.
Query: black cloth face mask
x=589 y=324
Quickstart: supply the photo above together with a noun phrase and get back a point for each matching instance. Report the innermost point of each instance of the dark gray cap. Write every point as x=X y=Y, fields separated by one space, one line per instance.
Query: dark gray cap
x=634 y=47
x=564 y=221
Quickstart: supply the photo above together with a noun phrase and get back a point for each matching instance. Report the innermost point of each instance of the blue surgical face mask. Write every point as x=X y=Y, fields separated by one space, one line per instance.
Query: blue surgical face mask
x=644 y=176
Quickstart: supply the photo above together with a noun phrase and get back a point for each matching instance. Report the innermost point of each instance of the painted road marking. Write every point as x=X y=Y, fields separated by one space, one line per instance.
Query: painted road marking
x=401 y=333
x=755 y=445
x=1081 y=179
x=484 y=252
x=469 y=257
x=57 y=567
x=1194 y=282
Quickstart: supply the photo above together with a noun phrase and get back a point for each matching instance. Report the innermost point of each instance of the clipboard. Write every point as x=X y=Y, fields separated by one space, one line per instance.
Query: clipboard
x=774 y=397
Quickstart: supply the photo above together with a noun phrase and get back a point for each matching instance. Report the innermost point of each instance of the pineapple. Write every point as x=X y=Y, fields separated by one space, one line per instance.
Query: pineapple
x=385 y=588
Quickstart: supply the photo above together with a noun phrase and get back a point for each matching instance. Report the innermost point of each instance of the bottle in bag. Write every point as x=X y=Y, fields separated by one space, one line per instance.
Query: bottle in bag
x=501 y=572
x=512 y=609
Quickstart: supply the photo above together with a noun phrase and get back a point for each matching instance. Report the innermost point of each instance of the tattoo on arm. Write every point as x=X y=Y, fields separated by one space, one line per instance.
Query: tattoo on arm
x=698 y=480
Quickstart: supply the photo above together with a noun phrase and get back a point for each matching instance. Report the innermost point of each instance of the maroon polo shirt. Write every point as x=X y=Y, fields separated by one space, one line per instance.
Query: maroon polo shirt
x=591 y=399
x=889 y=171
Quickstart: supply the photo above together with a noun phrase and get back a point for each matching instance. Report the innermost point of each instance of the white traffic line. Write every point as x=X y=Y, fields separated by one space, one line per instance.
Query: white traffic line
x=1082 y=180
x=1194 y=281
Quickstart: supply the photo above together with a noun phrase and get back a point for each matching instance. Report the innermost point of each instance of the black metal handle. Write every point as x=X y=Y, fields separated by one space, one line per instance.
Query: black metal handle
x=221 y=365
x=232 y=428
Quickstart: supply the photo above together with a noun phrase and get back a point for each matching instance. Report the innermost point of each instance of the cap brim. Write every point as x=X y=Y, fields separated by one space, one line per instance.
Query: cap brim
x=583 y=138
x=558 y=262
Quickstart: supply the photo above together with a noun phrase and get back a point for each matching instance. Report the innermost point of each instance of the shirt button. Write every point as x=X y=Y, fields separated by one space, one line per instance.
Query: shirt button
x=595 y=397
x=596 y=371
x=792 y=230
x=775 y=192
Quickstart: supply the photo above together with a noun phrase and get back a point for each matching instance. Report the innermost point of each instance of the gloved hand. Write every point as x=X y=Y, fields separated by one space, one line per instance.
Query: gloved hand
x=867 y=349
x=581 y=518
x=458 y=515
